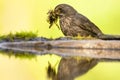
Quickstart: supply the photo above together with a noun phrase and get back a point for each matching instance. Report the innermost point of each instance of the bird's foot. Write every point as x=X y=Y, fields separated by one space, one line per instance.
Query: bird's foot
x=84 y=38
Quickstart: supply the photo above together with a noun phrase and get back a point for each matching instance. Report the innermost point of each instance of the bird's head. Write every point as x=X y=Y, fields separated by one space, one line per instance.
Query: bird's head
x=64 y=10
x=59 y=11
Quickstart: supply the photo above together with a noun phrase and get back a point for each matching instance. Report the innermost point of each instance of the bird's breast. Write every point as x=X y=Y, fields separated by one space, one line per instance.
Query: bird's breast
x=65 y=20
x=65 y=24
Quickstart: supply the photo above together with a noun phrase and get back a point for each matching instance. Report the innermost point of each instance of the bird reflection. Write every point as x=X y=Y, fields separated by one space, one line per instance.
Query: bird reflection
x=71 y=67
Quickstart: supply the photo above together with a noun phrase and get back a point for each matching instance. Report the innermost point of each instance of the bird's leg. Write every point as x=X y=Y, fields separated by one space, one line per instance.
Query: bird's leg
x=79 y=37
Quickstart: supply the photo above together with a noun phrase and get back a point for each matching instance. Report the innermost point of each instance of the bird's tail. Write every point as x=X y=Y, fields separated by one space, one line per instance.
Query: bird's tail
x=109 y=37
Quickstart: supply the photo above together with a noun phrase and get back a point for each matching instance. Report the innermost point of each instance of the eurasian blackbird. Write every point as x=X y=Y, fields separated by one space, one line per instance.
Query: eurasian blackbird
x=73 y=24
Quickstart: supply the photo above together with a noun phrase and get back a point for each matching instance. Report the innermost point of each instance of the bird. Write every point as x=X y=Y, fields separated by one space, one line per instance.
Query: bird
x=74 y=24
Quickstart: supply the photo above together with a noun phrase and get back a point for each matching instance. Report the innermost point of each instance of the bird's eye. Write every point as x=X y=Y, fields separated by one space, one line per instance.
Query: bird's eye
x=60 y=10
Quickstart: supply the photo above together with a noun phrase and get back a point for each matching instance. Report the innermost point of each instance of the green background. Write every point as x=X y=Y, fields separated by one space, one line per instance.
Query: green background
x=31 y=15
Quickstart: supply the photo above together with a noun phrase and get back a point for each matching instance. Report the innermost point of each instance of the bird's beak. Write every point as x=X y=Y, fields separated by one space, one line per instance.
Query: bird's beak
x=57 y=12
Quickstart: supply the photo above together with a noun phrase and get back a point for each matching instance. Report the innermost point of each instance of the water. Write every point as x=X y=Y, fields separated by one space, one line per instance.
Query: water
x=29 y=66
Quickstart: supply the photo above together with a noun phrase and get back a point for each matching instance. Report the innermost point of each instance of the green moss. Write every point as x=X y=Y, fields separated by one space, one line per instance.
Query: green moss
x=19 y=35
x=21 y=55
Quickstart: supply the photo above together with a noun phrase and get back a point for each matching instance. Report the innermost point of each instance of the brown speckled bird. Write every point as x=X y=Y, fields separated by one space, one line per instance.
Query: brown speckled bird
x=73 y=23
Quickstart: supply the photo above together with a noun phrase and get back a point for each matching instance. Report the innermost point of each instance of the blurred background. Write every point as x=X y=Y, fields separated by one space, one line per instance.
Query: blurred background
x=31 y=15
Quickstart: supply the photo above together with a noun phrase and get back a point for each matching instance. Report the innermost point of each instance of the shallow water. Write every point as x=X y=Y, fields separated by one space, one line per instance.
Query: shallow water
x=19 y=66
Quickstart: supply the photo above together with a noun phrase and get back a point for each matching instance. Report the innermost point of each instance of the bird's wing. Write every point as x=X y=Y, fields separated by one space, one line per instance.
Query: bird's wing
x=84 y=23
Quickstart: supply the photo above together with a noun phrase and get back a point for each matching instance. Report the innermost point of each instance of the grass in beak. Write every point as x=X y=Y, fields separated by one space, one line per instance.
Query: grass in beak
x=52 y=19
